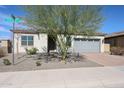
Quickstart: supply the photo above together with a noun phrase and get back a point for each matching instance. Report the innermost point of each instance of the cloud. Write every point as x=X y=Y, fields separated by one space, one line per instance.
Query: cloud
x=7 y=21
x=3 y=29
x=2 y=6
x=6 y=24
x=3 y=15
x=3 y=19
x=5 y=37
x=5 y=33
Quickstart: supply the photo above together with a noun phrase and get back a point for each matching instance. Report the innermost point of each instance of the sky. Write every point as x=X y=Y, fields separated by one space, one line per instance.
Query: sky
x=6 y=22
x=113 y=19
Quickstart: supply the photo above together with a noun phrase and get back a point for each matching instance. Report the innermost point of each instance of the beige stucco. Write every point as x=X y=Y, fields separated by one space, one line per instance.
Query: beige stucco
x=40 y=42
x=4 y=43
x=4 y=46
x=107 y=48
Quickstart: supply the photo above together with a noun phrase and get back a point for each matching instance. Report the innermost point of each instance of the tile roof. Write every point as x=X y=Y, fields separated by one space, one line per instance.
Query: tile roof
x=115 y=34
x=36 y=32
x=24 y=31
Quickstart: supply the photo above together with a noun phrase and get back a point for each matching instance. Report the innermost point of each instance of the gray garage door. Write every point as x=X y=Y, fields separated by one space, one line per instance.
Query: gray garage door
x=86 y=45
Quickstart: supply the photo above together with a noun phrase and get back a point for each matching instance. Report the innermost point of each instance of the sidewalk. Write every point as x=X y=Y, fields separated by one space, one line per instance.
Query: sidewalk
x=65 y=78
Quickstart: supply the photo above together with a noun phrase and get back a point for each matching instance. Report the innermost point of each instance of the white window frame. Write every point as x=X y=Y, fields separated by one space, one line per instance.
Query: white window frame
x=27 y=41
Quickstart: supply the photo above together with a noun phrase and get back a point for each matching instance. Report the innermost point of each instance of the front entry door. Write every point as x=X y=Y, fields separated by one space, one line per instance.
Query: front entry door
x=51 y=43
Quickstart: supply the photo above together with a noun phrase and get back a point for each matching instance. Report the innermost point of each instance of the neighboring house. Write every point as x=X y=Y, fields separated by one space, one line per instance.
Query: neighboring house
x=115 y=39
x=6 y=45
x=28 y=39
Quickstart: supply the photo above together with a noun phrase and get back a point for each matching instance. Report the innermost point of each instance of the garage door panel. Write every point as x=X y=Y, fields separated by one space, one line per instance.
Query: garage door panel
x=87 y=46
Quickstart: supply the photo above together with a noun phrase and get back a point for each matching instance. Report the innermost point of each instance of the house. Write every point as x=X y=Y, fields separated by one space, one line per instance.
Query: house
x=5 y=44
x=28 y=39
x=115 y=39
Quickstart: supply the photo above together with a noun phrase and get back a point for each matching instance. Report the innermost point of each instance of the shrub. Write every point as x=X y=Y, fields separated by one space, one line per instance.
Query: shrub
x=31 y=51
x=117 y=50
x=6 y=62
x=38 y=63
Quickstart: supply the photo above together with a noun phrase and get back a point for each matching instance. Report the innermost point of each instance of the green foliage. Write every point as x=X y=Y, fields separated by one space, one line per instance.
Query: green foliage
x=38 y=63
x=6 y=62
x=31 y=51
x=61 y=22
x=64 y=19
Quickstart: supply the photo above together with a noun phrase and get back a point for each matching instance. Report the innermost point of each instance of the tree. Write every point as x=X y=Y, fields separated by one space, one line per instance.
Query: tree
x=60 y=22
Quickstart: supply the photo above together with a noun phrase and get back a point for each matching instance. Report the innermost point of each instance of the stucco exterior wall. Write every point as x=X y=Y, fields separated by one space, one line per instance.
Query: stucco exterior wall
x=107 y=48
x=40 y=42
x=4 y=45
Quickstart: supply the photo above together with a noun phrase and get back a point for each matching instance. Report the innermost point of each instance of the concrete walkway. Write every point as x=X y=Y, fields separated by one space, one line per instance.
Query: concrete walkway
x=105 y=59
x=65 y=78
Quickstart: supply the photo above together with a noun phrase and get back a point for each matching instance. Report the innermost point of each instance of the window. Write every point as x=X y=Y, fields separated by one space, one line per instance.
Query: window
x=27 y=40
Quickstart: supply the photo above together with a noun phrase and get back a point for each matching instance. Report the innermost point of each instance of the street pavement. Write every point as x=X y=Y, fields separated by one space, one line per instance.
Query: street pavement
x=90 y=77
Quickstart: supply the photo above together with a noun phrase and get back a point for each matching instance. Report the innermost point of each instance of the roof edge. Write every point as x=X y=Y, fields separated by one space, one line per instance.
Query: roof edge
x=37 y=32
x=24 y=31
x=116 y=35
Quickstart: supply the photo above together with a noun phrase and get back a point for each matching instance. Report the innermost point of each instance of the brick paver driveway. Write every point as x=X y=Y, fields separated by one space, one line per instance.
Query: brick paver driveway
x=105 y=59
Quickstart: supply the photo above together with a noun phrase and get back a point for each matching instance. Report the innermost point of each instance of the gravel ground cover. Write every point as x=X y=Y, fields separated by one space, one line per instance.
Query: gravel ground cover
x=27 y=63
